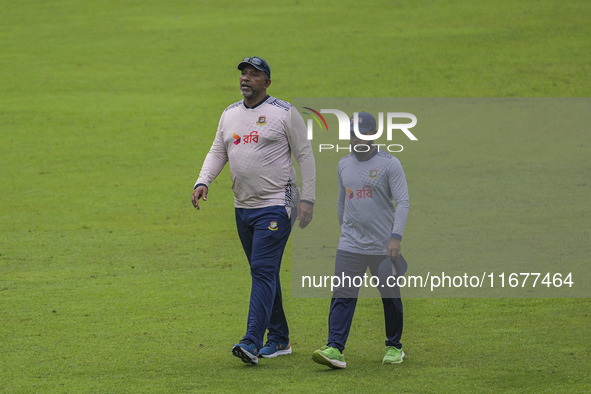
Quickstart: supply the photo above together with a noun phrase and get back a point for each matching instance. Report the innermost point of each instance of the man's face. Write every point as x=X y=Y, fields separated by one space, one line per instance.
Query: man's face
x=253 y=82
x=356 y=141
x=360 y=147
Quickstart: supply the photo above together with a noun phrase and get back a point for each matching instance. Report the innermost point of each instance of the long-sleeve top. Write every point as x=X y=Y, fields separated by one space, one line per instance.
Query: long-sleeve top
x=367 y=214
x=258 y=143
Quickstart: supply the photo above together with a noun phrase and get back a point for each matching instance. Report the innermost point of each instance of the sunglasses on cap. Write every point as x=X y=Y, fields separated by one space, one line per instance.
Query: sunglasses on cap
x=258 y=63
x=254 y=60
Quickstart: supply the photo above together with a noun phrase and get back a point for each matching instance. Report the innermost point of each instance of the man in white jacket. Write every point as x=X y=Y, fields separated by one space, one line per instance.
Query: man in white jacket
x=258 y=136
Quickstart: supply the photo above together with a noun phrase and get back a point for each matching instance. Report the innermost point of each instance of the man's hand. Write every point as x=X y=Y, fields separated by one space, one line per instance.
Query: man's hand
x=305 y=213
x=200 y=192
x=394 y=248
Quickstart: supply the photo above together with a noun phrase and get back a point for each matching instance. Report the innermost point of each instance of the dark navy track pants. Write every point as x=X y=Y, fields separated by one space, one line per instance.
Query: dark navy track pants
x=264 y=233
x=342 y=305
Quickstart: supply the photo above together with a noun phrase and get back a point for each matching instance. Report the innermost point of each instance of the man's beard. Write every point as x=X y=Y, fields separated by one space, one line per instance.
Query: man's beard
x=248 y=93
x=363 y=153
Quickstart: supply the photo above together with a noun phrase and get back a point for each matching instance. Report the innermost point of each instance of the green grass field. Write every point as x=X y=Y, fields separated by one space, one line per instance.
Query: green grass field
x=111 y=282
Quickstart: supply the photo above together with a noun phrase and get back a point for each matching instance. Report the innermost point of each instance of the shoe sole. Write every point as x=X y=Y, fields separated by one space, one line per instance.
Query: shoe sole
x=244 y=355
x=395 y=362
x=322 y=359
x=277 y=353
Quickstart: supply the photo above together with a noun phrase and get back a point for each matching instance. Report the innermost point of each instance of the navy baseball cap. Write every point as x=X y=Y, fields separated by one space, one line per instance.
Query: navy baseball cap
x=258 y=63
x=366 y=122
x=397 y=267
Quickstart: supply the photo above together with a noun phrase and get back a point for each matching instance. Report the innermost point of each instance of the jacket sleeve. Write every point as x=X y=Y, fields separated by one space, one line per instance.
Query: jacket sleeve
x=301 y=149
x=399 y=190
x=216 y=158
x=341 y=197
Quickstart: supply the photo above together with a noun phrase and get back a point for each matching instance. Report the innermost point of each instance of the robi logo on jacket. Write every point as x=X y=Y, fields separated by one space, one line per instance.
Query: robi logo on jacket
x=253 y=137
x=366 y=192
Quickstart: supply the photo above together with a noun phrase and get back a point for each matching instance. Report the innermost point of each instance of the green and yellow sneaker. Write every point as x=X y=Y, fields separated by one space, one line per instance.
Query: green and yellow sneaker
x=393 y=355
x=330 y=356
